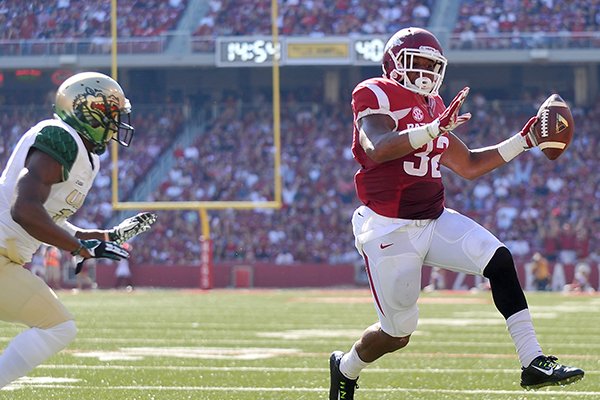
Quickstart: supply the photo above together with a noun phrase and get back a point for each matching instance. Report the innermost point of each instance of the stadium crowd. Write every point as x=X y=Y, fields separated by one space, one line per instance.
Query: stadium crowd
x=56 y=19
x=313 y=17
x=507 y=19
x=78 y=19
x=526 y=24
x=80 y=26
x=532 y=204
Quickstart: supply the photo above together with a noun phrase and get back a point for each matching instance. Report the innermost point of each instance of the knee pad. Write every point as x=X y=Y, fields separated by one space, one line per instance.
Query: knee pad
x=405 y=322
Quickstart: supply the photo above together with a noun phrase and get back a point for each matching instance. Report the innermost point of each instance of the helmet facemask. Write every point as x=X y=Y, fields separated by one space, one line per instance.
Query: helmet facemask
x=428 y=82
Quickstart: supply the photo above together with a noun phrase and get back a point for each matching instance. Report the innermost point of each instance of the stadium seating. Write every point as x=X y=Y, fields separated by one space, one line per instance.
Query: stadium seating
x=528 y=204
x=512 y=24
x=41 y=19
x=532 y=204
x=313 y=18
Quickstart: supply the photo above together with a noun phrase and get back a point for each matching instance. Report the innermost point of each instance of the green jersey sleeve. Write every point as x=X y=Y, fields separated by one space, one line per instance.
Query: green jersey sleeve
x=60 y=145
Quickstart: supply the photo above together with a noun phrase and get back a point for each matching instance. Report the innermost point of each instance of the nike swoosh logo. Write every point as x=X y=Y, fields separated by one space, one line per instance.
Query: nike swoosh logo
x=385 y=246
x=545 y=371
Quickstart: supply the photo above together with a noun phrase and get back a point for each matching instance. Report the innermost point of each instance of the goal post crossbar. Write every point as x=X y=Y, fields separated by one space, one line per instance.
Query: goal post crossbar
x=194 y=205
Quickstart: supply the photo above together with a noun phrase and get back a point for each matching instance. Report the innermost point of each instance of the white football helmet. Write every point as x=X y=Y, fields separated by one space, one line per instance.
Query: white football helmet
x=94 y=105
x=398 y=60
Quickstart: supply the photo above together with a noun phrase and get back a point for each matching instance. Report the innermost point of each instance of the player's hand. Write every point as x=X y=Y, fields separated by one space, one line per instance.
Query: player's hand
x=99 y=249
x=131 y=227
x=449 y=119
x=528 y=134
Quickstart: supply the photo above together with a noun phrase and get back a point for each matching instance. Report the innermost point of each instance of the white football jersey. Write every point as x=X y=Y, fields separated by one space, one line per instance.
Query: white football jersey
x=79 y=171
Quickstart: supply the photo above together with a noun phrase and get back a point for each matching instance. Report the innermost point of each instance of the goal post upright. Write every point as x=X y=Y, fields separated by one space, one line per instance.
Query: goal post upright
x=206 y=259
x=276 y=102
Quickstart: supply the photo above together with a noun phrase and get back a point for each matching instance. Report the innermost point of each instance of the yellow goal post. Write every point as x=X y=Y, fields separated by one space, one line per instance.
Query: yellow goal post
x=202 y=207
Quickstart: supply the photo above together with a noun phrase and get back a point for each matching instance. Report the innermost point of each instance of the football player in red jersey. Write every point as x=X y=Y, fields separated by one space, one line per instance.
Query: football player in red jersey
x=402 y=135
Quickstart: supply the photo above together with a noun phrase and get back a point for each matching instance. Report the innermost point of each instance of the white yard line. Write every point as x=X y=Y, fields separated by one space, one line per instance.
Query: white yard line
x=292 y=369
x=530 y=394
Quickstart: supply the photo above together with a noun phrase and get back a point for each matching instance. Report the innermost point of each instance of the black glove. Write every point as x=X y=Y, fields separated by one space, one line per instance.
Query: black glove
x=131 y=227
x=100 y=249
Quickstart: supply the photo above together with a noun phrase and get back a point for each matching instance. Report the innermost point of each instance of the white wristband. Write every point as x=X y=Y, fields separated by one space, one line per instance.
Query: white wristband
x=512 y=147
x=421 y=135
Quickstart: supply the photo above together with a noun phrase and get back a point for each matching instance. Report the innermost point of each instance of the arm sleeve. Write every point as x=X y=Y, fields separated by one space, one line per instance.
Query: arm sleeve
x=60 y=145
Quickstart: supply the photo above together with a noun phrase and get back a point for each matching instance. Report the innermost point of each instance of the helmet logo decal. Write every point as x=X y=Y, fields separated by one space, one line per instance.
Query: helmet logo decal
x=92 y=107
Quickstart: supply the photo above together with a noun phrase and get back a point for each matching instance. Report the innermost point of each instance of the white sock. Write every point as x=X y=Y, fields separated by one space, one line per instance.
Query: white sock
x=32 y=347
x=521 y=330
x=351 y=364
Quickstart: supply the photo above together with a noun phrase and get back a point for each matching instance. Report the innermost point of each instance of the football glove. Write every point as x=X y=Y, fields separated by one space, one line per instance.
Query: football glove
x=131 y=227
x=449 y=119
x=528 y=134
x=99 y=249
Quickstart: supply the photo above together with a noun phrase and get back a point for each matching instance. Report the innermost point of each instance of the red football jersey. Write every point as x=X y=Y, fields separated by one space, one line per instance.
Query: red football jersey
x=409 y=187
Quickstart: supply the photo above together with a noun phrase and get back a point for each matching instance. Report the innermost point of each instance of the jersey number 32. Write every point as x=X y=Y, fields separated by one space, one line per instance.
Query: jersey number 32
x=426 y=164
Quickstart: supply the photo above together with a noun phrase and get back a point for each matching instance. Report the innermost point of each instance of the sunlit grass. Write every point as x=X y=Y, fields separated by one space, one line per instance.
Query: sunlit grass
x=274 y=344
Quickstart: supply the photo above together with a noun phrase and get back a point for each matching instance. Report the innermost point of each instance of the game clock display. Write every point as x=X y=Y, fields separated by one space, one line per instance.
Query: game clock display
x=250 y=52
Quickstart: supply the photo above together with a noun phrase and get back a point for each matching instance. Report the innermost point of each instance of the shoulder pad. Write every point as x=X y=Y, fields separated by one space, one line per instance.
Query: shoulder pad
x=59 y=144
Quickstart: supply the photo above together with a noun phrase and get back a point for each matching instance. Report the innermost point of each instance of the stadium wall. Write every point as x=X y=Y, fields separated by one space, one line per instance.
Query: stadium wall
x=226 y=275
x=268 y=275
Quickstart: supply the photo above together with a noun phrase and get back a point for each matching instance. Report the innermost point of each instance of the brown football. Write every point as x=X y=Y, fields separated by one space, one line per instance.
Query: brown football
x=554 y=127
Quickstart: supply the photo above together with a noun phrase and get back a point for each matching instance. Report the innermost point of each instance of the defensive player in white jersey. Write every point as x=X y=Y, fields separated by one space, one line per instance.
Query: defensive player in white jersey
x=46 y=180
x=402 y=135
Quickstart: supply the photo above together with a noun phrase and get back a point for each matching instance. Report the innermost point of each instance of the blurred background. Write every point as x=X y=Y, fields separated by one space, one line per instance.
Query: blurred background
x=201 y=78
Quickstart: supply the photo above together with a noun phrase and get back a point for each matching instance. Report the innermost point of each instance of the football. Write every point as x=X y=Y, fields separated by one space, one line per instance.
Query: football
x=554 y=127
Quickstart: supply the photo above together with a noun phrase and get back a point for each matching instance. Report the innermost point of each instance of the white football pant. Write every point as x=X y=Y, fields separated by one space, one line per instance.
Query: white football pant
x=395 y=249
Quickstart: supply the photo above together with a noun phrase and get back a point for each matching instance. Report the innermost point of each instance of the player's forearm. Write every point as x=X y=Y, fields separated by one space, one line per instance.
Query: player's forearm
x=394 y=144
x=484 y=160
x=87 y=234
x=34 y=219
x=471 y=164
x=389 y=147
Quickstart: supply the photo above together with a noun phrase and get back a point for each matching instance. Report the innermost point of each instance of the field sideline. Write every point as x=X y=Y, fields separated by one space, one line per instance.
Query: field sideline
x=275 y=344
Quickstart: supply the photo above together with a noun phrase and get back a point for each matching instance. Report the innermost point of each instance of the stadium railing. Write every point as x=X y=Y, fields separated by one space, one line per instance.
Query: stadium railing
x=525 y=40
x=206 y=44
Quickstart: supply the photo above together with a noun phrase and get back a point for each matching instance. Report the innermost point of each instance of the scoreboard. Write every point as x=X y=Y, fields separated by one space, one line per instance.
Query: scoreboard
x=255 y=51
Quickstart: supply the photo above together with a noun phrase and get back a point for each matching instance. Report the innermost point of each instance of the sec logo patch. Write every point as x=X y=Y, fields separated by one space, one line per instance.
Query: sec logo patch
x=417 y=114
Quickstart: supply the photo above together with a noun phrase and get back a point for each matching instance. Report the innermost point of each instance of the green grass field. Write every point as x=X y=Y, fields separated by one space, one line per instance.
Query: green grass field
x=275 y=344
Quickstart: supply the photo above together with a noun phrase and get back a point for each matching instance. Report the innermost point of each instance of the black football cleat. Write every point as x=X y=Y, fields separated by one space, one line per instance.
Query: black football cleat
x=545 y=371
x=341 y=388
